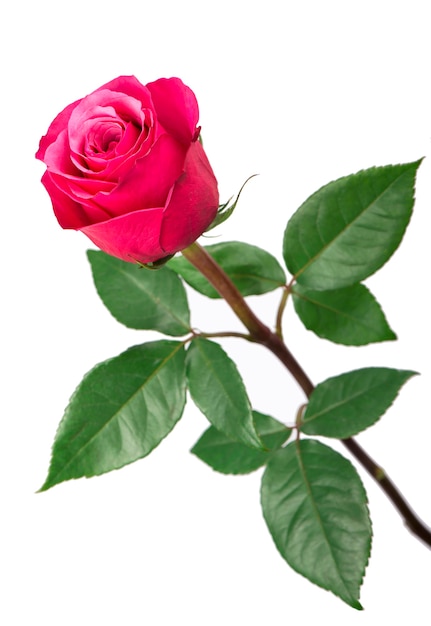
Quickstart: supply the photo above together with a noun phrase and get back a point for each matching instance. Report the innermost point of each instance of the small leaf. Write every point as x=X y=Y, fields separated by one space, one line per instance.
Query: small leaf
x=253 y=270
x=230 y=457
x=122 y=409
x=345 y=405
x=141 y=298
x=217 y=389
x=350 y=316
x=315 y=507
x=348 y=229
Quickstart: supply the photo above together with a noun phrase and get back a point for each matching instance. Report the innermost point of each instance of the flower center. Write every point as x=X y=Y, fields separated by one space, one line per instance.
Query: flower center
x=104 y=137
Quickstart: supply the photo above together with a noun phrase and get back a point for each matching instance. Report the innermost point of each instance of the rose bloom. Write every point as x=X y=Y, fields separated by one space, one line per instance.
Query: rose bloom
x=125 y=167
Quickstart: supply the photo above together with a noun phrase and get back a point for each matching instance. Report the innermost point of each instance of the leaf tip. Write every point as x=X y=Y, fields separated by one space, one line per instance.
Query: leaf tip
x=90 y=253
x=46 y=485
x=355 y=604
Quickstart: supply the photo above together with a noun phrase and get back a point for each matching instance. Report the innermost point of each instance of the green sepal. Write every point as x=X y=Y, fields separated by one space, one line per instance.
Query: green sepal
x=225 y=210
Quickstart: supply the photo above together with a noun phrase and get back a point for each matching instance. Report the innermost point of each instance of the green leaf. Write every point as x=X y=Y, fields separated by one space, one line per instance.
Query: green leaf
x=217 y=389
x=315 y=507
x=253 y=270
x=350 y=315
x=230 y=457
x=122 y=409
x=348 y=229
x=141 y=298
x=345 y=405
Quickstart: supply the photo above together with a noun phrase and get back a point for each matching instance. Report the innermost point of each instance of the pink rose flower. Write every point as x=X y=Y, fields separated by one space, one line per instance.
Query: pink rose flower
x=124 y=167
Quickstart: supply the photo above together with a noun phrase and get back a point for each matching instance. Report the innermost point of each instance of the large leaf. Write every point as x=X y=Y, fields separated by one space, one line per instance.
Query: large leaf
x=253 y=270
x=217 y=389
x=350 y=316
x=141 y=298
x=315 y=507
x=122 y=409
x=230 y=457
x=350 y=228
x=344 y=405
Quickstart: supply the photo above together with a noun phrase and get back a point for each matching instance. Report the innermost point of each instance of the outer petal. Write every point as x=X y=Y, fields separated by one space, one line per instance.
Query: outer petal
x=55 y=128
x=81 y=189
x=176 y=107
x=57 y=156
x=193 y=204
x=149 y=182
x=130 y=86
x=146 y=185
x=69 y=213
x=134 y=237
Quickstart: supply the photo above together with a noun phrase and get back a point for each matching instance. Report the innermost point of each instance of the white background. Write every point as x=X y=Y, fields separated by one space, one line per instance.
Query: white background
x=301 y=93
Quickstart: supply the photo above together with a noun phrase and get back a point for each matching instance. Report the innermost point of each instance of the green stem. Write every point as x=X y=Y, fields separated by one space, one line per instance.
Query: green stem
x=286 y=292
x=260 y=333
x=279 y=318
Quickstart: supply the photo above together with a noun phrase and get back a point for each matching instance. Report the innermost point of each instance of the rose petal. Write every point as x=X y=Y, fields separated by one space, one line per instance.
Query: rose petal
x=55 y=128
x=107 y=113
x=102 y=104
x=193 y=204
x=81 y=189
x=57 y=155
x=130 y=86
x=127 y=236
x=115 y=155
x=148 y=183
x=111 y=165
x=176 y=107
x=69 y=214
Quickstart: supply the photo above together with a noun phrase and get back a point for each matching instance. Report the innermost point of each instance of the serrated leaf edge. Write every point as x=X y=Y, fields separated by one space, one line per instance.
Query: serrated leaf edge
x=148 y=294
x=336 y=405
x=391 y=335
x=52 y=483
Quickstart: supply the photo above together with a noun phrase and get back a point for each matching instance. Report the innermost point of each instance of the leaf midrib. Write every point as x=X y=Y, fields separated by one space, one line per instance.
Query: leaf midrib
x=336 y=405
x=114 y=415
x=349 y=225
x=331 y=309
x=317 y=514
x=209 y=363
x=152 y=297
x=228 y=394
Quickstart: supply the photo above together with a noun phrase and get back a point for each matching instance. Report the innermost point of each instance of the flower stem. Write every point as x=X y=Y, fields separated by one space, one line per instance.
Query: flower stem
x=260 y=333
x=204 y=262
x=411 y=520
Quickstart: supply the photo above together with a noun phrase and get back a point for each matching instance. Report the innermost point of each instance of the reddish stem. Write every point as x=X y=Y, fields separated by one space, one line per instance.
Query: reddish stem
x=260 y=333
